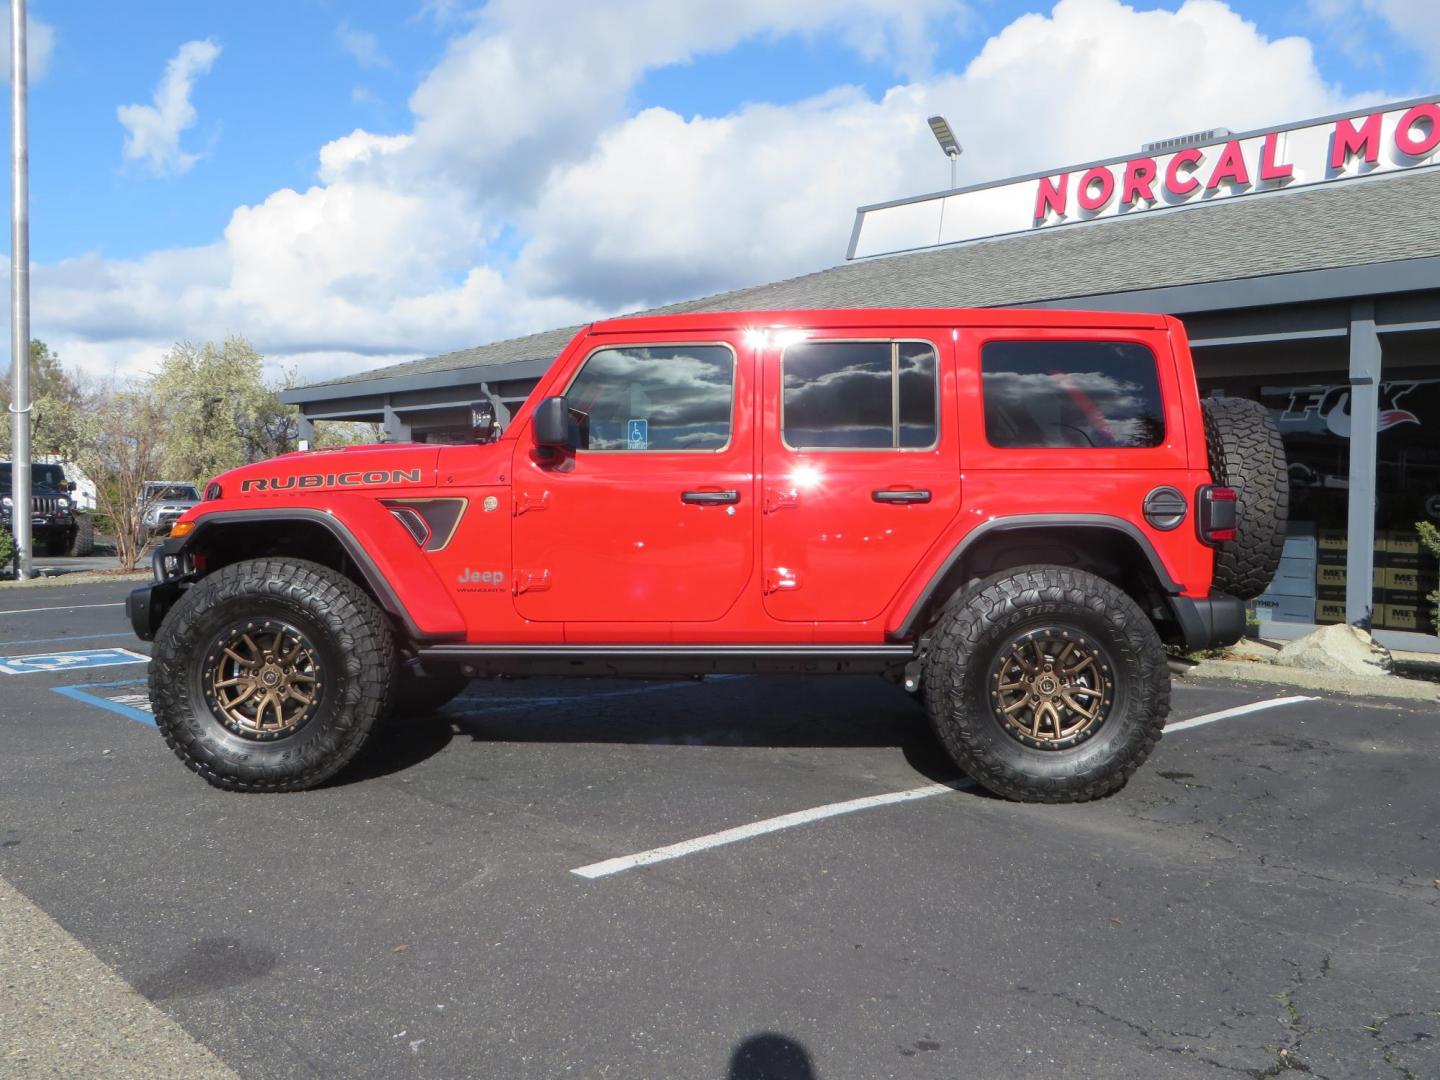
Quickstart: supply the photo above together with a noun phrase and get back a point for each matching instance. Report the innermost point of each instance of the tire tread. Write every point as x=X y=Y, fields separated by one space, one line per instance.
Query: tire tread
x=1040 y=590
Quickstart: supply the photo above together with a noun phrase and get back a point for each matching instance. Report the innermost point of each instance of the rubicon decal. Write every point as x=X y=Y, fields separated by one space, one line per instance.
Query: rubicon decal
x=310 y=481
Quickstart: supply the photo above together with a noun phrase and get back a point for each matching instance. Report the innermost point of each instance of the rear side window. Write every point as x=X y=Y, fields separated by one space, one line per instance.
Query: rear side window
x=656 y=397
x=1073 y=394
x=859 y=395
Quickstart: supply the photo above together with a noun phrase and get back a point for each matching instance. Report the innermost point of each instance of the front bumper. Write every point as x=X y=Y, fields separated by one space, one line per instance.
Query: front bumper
x=147 y=605
x=1216 y=621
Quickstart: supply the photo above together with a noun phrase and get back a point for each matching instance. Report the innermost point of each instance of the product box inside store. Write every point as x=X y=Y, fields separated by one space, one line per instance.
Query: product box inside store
x=1331 y=545
x=1329 y=611
x=1405 y=579
x=1336 y=574
x=1284 y=608
x=1401 y=617
x=1398 y=548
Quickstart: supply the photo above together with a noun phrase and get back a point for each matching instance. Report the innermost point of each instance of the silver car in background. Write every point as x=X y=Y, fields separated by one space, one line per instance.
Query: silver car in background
x=161 y=504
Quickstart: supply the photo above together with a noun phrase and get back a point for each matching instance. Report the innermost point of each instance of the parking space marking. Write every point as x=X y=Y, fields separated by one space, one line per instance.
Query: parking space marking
x=63 y=607
x=802 y=817
x=133 y=706
x=68 y=637
x=51 y=663
x=1239 y=710
x=760 y=828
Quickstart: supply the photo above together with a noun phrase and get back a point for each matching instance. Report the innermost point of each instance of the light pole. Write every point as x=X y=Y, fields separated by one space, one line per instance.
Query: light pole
x=946 y=138
x=19 y=293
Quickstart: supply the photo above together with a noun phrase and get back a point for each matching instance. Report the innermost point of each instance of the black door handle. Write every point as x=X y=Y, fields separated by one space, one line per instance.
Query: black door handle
x=709 y=498
x=886 y=496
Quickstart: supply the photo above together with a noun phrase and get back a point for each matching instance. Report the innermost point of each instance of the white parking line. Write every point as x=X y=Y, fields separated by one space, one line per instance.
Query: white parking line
x=1239 y=710
x=819 y=813
x=756 y=828
x=66 y=607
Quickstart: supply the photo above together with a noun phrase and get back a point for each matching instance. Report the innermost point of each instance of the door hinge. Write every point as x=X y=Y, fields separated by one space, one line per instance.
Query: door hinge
x=780 y=579
x=529 y=500
x=531 y=581
x=780 y=498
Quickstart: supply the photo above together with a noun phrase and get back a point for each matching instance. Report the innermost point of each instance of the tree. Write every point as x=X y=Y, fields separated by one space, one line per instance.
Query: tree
x=220 y=411
x=56 y=405
x=329 y=433
x=120 y=446
x=1430 y=538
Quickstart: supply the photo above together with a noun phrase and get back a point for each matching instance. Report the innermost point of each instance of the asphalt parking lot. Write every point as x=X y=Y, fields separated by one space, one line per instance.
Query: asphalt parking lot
x=1263 y=897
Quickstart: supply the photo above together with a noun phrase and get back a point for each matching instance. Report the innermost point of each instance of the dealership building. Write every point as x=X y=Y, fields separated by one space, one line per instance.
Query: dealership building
x=1304 y=261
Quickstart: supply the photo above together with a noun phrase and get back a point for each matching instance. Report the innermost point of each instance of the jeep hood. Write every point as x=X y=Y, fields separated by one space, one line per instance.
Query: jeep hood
x=349 y=468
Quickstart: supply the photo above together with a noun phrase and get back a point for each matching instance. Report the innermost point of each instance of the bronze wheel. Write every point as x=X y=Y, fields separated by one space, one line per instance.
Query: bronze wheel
x=261 y=679
x=1051 y=688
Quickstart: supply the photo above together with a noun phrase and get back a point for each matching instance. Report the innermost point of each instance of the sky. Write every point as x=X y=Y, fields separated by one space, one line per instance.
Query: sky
x=354 y=184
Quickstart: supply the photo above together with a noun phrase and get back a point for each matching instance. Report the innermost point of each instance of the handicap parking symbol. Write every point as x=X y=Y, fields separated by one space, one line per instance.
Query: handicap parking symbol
x=68 y=661
x=638 y=435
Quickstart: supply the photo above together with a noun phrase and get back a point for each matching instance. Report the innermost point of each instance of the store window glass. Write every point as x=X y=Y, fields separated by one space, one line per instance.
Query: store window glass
x=1315 y=423
x=1073 y=394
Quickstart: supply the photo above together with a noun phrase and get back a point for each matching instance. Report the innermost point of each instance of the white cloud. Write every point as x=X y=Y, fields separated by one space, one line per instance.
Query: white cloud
x=361 y=45
x=1414 y=23
x=526 y=195
x=441 y=11
x=1353 y=26
x=152 y=132
x=39 y=46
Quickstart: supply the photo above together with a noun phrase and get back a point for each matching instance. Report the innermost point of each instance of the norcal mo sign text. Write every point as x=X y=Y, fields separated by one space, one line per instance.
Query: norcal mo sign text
x=1376 y=142
x=1392 y=138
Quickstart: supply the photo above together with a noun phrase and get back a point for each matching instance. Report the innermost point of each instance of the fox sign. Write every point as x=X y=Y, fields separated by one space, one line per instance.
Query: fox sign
x=1388 y=139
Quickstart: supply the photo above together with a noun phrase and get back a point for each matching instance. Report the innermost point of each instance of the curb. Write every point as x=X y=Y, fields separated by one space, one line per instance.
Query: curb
x=77 y=577
x=1382 y=686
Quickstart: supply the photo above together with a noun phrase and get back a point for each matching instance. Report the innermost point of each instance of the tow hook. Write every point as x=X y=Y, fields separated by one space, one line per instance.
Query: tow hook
x=915 y=667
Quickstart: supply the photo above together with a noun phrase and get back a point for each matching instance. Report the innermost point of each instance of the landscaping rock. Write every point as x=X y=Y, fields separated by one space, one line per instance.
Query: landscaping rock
x=1339 y=649
x=1252 y=650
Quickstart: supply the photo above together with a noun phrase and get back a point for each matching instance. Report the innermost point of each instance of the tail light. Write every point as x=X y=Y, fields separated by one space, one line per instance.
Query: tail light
x=1216 y=516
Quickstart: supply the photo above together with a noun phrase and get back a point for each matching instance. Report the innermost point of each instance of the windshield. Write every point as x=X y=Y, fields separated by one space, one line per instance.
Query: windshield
x=174 y=491
x=41 y=476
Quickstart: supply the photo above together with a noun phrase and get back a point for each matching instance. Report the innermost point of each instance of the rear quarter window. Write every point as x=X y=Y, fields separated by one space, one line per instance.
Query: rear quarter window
x=1071 y=395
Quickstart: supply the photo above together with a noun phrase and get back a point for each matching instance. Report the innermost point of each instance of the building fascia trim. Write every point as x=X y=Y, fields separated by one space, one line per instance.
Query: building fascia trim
x=1265 y=290
x=418 y=380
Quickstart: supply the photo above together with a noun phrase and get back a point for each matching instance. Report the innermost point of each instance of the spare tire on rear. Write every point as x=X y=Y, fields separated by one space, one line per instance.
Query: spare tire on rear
x=1246 y=454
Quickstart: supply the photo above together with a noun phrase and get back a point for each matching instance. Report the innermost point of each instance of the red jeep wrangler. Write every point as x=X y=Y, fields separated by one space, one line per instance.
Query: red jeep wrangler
x=1008 y=512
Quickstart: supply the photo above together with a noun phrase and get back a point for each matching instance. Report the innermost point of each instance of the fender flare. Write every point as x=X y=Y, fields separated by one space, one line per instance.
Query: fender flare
x=378 y=583
x=908 y=626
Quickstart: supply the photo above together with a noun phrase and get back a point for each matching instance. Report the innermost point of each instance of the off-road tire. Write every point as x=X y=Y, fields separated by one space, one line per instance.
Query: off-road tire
x=1246 y=453
x=981 y=625
x=84 y=542
x=357 y=673
x=420 y=695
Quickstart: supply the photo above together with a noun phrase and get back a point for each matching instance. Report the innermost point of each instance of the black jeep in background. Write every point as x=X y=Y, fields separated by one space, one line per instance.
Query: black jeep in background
x=54 y=521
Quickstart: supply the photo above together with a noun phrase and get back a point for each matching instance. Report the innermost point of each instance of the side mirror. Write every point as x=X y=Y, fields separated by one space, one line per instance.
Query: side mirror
x=482 y=421
x=551 y=425
x=70 y=486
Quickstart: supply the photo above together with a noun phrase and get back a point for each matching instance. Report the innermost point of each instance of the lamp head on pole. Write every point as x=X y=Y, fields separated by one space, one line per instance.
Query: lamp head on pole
x=945 y=137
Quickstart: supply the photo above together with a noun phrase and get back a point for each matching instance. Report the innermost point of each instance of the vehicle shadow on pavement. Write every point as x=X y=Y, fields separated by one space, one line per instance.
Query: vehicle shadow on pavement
x=397 y=745
x=768 y=1056
x=823 y=713
x=206 y=965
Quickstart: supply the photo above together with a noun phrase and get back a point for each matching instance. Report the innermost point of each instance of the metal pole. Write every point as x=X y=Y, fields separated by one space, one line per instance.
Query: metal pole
x=19 y=293
x=1365 y=367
